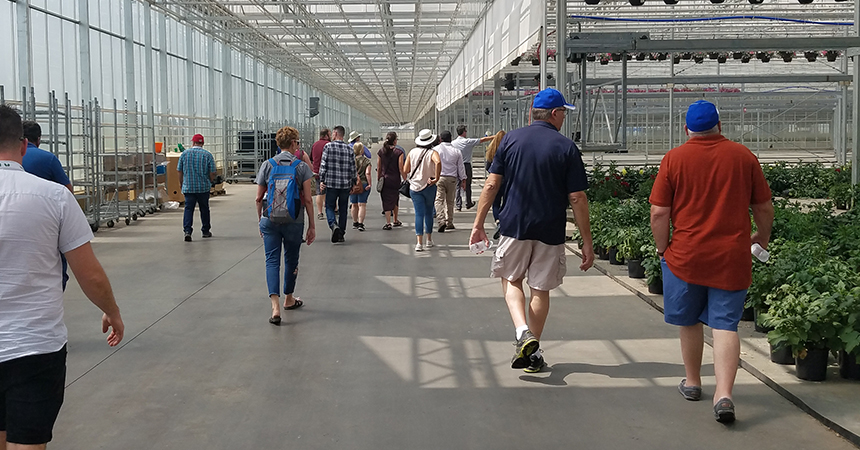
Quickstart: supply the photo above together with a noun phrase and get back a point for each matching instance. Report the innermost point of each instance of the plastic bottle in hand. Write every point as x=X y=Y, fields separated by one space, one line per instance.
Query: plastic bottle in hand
x=759 y=252
x=480 y=247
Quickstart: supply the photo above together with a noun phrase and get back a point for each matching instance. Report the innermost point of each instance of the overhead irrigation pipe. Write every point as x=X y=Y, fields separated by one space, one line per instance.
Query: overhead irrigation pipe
x=711 y=19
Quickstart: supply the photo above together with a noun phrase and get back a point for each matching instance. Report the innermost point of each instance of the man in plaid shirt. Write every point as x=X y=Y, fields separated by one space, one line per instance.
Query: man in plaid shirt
x=337 y=175
x=196 y=173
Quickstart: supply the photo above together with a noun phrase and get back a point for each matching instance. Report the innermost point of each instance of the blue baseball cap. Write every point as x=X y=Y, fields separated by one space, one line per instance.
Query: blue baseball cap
x=550 y=98
x=702 y=116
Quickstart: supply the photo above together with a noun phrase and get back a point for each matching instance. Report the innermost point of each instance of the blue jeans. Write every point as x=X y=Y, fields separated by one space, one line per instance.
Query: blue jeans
x=274 y=236
x=336 y=198
x=423 y=201
x=191 y=200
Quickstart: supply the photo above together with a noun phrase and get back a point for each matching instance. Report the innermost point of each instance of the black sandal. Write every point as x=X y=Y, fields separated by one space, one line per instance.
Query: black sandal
x=275 y=320
x=298 y=304
x=387 y=226
x=398 y=223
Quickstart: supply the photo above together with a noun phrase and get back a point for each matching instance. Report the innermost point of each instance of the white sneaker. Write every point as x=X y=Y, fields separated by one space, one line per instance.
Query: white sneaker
x=419 y=248
x=429 y=244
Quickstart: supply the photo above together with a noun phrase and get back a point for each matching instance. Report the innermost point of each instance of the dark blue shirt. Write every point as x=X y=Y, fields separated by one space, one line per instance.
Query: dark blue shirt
x=44 y=164
x=540 y=168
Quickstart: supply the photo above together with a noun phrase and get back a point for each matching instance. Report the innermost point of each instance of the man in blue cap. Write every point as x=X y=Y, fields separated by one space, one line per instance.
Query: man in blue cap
x=533 y=218
x=706 y=187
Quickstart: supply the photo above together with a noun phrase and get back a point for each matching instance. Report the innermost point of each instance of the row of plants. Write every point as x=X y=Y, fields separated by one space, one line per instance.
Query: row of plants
x=786 y=180
x=807 y=296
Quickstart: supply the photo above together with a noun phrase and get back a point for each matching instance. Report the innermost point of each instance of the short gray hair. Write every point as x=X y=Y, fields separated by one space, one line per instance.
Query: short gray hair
x=541 y=114
x=714 y=130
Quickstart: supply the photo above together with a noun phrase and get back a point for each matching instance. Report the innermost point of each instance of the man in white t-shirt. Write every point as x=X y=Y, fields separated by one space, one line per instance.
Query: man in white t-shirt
x=39 y=220
x=466 y=145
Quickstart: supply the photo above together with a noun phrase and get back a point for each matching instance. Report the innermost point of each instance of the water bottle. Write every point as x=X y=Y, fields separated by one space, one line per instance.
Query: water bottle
x=480 y=247
x=760 y=252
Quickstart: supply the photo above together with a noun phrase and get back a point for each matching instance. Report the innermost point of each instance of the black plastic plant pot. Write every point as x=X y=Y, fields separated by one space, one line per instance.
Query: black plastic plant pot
x=781 y=355
x=635 y=269
x=602 y=253
x=814 y=366
x=656 y=287
x=748 y=315
x=613 y=257
x=848 y=367
x=758 y=326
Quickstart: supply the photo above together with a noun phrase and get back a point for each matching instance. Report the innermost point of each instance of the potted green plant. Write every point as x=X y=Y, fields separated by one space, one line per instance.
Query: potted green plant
x=630 y=248
x=653 y=270
x=807 y=314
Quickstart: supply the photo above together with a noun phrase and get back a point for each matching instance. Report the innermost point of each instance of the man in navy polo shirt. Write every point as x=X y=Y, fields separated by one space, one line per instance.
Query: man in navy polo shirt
x=539 y=172
x=46 y=165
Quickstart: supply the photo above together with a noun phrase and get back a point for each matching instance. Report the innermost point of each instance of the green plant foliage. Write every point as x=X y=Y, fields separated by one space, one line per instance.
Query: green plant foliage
x=817 y=307
x=651 y=263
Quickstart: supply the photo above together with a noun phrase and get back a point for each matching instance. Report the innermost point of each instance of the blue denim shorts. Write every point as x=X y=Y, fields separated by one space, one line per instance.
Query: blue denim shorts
x=686 y=304
x=359 y=198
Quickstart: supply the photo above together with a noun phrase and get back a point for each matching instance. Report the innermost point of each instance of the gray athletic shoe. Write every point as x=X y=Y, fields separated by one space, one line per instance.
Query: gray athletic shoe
x=526 y=346
x=691 y=393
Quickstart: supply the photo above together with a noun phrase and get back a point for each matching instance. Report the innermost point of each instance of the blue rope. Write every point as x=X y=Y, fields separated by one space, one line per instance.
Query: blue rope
x=708 y=19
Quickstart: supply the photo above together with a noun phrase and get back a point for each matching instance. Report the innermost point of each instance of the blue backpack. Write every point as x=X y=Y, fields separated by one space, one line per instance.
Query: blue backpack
x=283 y=196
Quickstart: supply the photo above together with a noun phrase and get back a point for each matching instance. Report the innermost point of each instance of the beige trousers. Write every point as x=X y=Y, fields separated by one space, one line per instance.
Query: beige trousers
x=446 y=189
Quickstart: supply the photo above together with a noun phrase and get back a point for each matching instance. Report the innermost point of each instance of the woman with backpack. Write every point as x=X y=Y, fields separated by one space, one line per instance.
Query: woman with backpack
x=359 y=193
x=285 y=183
x=424 y=168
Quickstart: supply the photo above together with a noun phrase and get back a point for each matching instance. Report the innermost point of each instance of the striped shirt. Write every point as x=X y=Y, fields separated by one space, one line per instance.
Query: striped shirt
x=337 y=169
x=196 y=164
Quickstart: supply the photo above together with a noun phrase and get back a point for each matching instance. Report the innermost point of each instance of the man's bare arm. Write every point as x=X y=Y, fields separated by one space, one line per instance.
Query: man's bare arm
x=763 y=217
x=660 y=216
x=579 y=204
x=96 y=286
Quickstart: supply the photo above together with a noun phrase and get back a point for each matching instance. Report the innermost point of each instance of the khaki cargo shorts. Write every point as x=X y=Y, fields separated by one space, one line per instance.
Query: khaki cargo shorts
x=544 y=264
x=315 y=185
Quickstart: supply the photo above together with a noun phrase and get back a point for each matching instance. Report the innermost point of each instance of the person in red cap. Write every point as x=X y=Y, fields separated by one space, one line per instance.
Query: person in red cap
x=196 y=174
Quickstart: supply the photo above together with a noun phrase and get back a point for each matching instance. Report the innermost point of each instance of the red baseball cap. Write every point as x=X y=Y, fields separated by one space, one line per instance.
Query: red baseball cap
x=197 y=138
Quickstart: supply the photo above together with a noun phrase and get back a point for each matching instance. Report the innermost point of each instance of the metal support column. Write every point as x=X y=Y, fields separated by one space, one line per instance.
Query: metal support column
x=543 y=45
x=25 y=49
x=671 y=88
x=583 y=102
x=497 y=104
x=162 y=56
x=624 y=100
x=130 y=85
x=561 y=82
x=190 y=87
x=855 y=139
x=84 y=42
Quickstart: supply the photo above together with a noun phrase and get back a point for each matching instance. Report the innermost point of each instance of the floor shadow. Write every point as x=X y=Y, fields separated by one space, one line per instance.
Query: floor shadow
x=558 y=372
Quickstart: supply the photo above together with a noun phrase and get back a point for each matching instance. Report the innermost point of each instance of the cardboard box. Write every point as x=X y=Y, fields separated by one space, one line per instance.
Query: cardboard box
x=174 y=189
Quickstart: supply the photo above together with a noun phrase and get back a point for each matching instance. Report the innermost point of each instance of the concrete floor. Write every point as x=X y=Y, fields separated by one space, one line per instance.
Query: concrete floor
x=393 y=350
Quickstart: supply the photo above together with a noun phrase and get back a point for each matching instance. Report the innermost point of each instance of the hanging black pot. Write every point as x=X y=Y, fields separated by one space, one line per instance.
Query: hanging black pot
x=848 y=367
x=759 y=327
x=613 y=257
x=781 y=354
x=656 y=287
x=814 y=366
x=602 y=253
x=635 y=269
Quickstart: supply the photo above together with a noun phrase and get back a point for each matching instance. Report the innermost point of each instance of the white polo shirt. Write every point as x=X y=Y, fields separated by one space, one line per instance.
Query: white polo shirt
x=38 y=220
x=465 y=145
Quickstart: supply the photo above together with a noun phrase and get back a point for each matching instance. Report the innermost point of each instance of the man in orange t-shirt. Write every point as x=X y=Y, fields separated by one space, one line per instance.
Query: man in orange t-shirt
x=706 y=187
